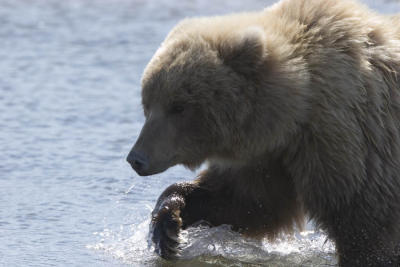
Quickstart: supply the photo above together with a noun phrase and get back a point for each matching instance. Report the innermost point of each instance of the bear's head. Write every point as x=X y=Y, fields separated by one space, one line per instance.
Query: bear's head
x=199 y=95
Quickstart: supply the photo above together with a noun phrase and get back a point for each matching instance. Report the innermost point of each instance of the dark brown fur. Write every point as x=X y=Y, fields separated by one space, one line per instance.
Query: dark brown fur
x=296 y=108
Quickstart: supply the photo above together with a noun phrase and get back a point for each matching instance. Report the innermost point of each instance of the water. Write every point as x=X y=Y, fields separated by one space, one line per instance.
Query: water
x=69 y=113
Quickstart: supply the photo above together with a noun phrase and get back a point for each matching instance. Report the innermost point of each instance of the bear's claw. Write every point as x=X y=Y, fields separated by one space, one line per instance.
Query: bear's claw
x=164 y=230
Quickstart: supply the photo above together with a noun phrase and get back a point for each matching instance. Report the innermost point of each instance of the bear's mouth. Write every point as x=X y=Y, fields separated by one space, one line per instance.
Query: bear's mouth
x=152 y=168
x=151 y=171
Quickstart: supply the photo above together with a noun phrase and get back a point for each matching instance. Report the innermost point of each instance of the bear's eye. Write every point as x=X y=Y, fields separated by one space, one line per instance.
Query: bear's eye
x=177 y=109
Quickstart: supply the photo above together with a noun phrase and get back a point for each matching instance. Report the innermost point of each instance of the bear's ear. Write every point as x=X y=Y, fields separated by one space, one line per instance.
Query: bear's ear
x=244 y=51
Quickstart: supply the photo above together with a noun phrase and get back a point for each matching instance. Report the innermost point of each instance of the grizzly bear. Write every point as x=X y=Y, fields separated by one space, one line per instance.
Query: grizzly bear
x=296 y=110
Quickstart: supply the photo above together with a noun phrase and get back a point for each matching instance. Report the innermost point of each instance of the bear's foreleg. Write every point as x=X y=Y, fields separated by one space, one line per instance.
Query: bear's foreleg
x=254 y=200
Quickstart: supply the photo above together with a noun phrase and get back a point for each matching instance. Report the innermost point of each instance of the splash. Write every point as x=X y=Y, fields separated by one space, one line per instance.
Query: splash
x=218 y=245
x=127 y=244
x=309 y=248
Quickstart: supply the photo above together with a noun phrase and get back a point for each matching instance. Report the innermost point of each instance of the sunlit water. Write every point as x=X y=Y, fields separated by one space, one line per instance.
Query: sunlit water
x=69 y=113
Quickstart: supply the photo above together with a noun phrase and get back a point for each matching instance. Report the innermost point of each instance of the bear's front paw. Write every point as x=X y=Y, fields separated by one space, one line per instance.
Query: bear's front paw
x=164 y=230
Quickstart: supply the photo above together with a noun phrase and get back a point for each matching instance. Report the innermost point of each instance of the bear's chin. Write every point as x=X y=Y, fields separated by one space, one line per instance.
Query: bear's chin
x=193 y=166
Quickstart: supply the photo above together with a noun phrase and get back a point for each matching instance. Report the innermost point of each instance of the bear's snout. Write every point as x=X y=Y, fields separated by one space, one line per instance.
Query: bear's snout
x=138 y=162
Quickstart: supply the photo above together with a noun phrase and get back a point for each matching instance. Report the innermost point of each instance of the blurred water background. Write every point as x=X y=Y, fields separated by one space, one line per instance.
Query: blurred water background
x=70 y=112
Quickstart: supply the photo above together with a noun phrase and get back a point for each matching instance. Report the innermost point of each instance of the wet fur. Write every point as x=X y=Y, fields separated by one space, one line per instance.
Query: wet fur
x=296 y=108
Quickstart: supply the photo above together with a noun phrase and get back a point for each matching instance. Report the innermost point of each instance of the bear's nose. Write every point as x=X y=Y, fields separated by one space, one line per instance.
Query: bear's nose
x=138 y=162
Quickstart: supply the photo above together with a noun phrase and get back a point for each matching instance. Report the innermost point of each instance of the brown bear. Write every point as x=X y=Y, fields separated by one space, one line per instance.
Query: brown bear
x=296 y=110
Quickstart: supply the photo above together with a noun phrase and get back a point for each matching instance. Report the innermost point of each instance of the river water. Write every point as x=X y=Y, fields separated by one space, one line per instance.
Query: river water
x=69 y=113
